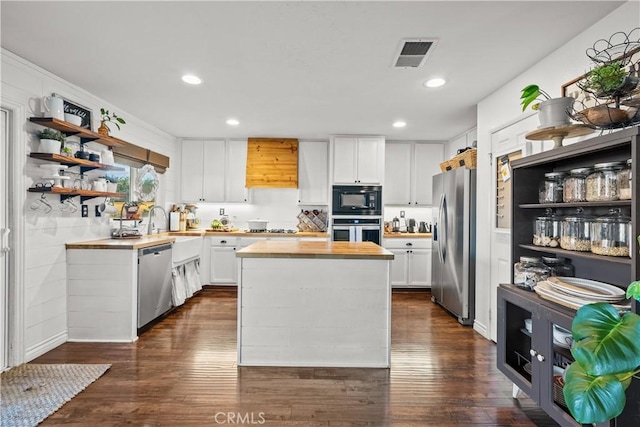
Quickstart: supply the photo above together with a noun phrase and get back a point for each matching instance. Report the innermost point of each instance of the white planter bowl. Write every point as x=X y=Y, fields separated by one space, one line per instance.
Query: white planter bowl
x=73 y=119
x=50 y=146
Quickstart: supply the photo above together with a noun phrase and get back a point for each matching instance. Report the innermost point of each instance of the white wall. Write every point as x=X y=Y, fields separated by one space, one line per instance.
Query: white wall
x=39 y=239
x=279 y=206
x=503 y=106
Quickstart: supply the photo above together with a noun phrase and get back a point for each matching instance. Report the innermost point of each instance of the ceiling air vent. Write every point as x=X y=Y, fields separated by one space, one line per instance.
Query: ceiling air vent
x=414 y=52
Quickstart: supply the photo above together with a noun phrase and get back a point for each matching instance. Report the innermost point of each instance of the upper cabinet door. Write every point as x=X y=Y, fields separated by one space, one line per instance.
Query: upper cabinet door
x=427 y=161
x=370 y=160
x=397 y=176
x=192 y=165
x=213 y=173
x=313 y=172
x=236 y=191
x=345 y=153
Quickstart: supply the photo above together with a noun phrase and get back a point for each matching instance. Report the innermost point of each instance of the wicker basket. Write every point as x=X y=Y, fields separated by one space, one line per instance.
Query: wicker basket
x=467 y=159
x=558 y=386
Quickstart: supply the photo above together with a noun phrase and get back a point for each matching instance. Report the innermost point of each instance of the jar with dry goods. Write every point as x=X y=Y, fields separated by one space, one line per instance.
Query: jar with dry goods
x=547 y=230
x=610 y=234
x=575 y=185
x=624 y=181
x=529 y=271
x=550 y=190
x=602 y=183
x=558 y=266
x=576 y=232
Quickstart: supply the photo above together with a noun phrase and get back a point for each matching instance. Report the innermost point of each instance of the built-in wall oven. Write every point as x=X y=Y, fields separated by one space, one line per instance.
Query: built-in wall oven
x=357 y=229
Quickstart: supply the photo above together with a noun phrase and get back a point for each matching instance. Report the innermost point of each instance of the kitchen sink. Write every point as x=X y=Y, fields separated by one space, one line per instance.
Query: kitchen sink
x=186 y=248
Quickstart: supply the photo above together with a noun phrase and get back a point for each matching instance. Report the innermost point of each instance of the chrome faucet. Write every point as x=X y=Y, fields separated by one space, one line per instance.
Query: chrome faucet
x=151 y=211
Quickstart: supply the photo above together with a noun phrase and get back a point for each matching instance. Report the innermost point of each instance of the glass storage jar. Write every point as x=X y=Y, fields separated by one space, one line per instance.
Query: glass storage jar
x=550 y=190
x=602 y=183
x=624 y=181
x=610 y=234
x=559 y=266
x=547 y=230
x=529 y=271
x=576 y=232
x=575 y=185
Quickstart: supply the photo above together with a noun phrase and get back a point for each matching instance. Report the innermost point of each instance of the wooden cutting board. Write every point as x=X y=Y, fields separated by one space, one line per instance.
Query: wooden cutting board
x=272 y=163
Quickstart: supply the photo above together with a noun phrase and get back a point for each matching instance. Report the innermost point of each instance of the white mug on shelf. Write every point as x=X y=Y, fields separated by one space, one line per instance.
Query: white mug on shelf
x=52 y=106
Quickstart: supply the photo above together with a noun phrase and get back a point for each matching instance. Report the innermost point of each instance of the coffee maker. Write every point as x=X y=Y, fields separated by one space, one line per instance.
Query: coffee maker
x=411 y=225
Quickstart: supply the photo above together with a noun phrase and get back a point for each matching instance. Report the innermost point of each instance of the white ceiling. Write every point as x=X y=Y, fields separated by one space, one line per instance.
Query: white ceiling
x=292 y=69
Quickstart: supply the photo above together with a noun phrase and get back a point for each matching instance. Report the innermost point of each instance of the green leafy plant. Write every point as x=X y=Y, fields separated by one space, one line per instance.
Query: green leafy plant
x=607 y=356
x=605 y=79
x=113 y=118
x=530 y=94
x=51 y=134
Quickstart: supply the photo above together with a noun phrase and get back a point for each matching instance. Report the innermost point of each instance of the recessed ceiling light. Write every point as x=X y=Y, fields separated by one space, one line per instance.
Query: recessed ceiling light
x=399 y=124
x=191 y=79
x=437 y=82
x=233 y=122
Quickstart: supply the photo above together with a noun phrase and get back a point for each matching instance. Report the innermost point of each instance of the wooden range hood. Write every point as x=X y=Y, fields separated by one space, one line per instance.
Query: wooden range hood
x=272 y=163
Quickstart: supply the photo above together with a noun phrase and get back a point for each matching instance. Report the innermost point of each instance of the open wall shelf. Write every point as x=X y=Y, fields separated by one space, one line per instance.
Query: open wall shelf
x=85 y=135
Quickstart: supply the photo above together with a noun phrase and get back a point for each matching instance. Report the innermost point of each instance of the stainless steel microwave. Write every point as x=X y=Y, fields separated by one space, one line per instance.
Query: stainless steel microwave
x=357 y=200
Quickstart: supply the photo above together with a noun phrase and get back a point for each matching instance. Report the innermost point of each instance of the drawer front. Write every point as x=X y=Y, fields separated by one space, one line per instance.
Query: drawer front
x=407 y=243
x=223 y=240
x=243 y=242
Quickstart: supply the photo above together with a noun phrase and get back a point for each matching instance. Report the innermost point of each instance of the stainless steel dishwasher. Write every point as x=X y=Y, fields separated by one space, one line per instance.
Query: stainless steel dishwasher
x=154 y=282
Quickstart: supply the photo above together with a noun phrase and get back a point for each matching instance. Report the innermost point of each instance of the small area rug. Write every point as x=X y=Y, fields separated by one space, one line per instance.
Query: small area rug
x=29 y=393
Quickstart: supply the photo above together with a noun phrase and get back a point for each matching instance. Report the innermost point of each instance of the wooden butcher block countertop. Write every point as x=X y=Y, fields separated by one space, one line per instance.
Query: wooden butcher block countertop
x=392 y=235
x=140 y=243
x=301 y=249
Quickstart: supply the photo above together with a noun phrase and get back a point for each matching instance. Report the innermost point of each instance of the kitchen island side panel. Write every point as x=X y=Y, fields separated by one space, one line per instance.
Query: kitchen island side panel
x=102 y=295
x=314 y=312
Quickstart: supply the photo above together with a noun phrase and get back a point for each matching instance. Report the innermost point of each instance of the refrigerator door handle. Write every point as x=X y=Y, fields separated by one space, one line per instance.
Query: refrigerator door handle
x=441 y=239
x=444 y=229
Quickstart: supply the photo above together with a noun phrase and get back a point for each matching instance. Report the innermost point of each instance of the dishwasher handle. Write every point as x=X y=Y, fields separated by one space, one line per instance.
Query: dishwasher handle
x=155 y=250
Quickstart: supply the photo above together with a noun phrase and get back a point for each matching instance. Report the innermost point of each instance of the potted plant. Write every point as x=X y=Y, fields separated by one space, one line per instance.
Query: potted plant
x=50 y=141
x=607 y=356
x=609 y=80
x=551 y=111
x=105 y=117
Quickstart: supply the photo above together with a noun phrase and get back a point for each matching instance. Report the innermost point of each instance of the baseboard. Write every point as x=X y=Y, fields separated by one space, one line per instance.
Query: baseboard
x=103 y=340
x=45 y=346
x=481 y=329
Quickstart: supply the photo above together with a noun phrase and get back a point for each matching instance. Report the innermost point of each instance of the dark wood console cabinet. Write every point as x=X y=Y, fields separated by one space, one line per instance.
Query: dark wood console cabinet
x=528 y=359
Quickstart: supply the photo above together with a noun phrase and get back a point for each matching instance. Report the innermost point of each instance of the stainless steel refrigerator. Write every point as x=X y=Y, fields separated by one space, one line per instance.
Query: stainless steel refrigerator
x=454 y=243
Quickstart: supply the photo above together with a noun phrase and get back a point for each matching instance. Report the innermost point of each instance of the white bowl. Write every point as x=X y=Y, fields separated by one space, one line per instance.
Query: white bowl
x=562 y=337
x=50 y=146
x=73 y=119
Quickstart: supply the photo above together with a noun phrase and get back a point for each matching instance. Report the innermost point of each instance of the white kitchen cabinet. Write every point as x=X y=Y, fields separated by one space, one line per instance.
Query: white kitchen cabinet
x=236 y=162
x=397 y=174
x=358 y=160
x=411 y=266
x=201 y=162
x=410 y=186
x=222 y=261
x=313 y=172
x=213 y=171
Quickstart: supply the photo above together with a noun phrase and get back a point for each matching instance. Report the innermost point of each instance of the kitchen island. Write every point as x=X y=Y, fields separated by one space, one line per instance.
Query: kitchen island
x=314 y=304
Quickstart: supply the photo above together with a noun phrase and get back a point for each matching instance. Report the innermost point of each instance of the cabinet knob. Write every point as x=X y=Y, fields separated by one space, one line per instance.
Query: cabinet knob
x=224 y=241
x=540 y=357
x=533 y=352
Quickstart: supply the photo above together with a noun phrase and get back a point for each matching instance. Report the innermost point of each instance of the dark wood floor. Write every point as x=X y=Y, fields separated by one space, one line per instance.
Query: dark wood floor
x=183 y=372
